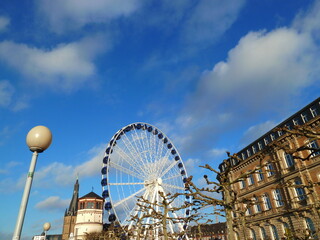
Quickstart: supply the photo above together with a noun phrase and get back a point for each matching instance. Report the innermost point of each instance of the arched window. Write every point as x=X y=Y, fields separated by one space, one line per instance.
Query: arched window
x=314 y=145
x=257 y=206
x=251 y=179
x=248 y=209
x=270 y=169
x=311 y=228
x=301 y=194
x=242 y=184
x=289 y=160
x=266 y=202
x=253 y=234
x=263 y=233
x=274 y=232
x=278 y=197
x=260 y=175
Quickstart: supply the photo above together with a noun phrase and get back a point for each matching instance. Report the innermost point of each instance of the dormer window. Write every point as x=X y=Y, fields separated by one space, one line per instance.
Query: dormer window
x=304 y=117
x=313 y=111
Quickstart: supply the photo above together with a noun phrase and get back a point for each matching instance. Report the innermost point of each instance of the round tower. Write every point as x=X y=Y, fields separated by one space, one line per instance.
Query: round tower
x=89 y=216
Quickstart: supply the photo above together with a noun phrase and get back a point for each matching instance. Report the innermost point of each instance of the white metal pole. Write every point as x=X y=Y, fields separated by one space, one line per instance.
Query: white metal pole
x=25 y=198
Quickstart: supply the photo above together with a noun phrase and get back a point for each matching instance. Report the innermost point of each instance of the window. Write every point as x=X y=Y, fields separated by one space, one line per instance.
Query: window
x=234 y=161
x=260 y=145
x=243 y=156
x=312 y=229
x=288 y=126
x=313 y=144
x=248 y=152
x=263 y=233
x=242 y=184
x=266 y=202
x=289 y=160
x=251 y=179
x=266 y=141
x=260 y=175
x=253 y=234
x=254 y=149
x=248 y=210
x=295 y=121
x=304 y=117
x=257 y=206
x=313 y=111
x=270 y=169
x=90 y=205
x=272 y=136
x=299 y=190
x=280 y=133
x=278 y=197
x=274 y=232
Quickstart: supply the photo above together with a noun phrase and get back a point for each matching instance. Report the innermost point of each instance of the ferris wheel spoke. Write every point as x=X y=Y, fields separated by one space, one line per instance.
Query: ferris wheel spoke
x=168 y=169
x=135 y=156
x=172 y=177
x=164 y=162
x=136 y=209
x=139 y=140
x=172 y=186
x=126 y=170
x=170 y=224
x=130 y=160
x=128 y=198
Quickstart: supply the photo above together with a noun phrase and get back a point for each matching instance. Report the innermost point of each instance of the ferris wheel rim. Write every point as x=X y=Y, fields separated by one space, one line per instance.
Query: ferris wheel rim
x=111 y=145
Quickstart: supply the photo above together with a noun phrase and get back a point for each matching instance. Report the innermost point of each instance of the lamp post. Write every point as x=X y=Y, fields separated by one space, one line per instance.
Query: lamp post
x=38 y=139
x=46 y=228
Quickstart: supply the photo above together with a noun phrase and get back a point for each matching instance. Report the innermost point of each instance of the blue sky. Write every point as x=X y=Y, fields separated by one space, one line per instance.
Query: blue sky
x=213 y=75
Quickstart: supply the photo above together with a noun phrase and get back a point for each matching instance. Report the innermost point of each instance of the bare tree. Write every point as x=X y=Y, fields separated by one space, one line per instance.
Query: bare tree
x=160 y=217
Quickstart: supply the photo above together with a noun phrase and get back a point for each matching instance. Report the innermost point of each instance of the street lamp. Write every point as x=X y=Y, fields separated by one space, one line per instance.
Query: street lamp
x=38 y=139
x=46 y=228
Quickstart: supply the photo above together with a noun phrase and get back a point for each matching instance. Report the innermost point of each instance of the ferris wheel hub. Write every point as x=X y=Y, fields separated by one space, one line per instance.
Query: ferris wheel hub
x=159 y=181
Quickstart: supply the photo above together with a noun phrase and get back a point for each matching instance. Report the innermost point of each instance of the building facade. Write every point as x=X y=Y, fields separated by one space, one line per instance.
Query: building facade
x=281 y=198
x=216 y=231
x=84 y=215
x=89 y=216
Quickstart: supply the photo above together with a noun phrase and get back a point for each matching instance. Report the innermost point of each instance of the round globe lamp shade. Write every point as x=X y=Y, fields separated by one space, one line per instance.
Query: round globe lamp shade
x=46 y=226
x=39 y=138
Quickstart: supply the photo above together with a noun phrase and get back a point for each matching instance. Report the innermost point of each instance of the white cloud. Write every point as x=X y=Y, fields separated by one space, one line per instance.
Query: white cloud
x=4 y=23
x=73 y=14
x=53 y=203
x=59 y=174
x=260 y=69
x=65 y=67
x=192 y=165
x=210 y=19
x=309 y=21
x=254 y=132
x=265 y=69
x=6 y=93
x=218 y=152
x=63 y=175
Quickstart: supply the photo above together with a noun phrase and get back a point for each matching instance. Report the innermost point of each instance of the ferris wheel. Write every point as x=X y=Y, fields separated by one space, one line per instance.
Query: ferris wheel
x=140 y=161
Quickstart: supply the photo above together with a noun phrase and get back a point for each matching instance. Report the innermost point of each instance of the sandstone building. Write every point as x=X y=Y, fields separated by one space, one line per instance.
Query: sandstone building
x=282 y=196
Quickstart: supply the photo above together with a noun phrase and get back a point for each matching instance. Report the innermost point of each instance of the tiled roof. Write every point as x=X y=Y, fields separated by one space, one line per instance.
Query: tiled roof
x=91 y=195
